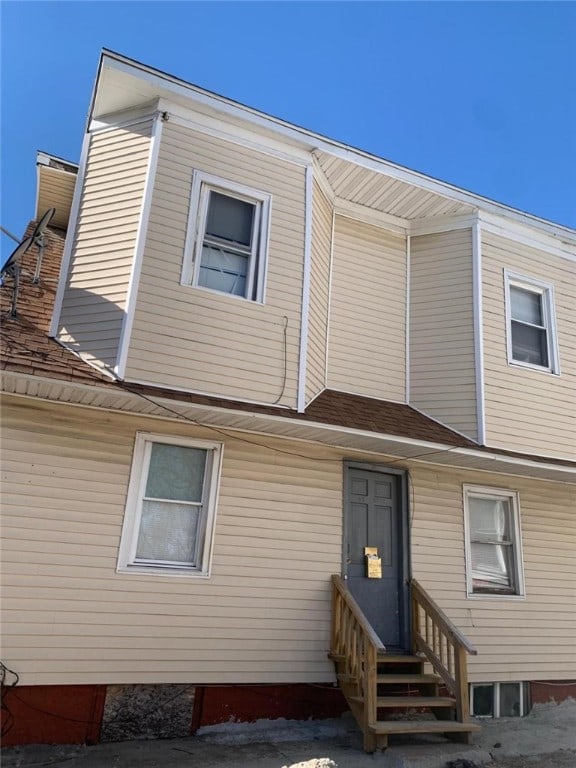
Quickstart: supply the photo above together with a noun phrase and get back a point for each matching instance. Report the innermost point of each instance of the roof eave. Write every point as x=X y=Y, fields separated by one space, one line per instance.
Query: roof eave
x=403 y=449
x=168 y=86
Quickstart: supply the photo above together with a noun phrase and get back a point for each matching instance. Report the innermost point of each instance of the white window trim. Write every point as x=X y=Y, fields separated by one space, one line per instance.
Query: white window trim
x=546 y=290
x=201 y=183
x=131 y=525
x=512 y=497
x=523 y=691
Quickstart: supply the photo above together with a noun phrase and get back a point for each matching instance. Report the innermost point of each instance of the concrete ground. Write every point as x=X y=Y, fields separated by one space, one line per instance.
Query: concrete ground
x=544 y=739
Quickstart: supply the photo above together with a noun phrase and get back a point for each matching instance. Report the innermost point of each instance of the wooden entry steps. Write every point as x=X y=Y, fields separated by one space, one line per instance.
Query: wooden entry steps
x=391 y=693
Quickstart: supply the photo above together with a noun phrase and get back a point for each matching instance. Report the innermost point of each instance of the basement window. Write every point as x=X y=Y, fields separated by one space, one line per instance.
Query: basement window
x=171 y=506
x=493 y=542
x=227 y=240
x=499 y=699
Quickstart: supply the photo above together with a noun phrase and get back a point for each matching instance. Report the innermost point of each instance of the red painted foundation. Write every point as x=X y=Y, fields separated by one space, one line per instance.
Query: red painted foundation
x=52 y=714
x=546 y=691
x=248 y=703
x=72 y=714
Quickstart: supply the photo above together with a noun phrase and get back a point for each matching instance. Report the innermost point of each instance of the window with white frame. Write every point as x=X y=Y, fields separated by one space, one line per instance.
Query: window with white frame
x=499 y=699
x=531 y=323
x=171 y=506
x=226 y=245
x=493 y=543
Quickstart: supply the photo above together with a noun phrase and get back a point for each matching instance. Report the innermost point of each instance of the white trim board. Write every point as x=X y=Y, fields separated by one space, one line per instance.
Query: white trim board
x=306 y=279
x=478 y=321
x=211 y=126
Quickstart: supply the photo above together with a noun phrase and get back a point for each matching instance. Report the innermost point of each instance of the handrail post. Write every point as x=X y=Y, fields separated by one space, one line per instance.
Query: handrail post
x=461 y=674
x=335 y=627
x=369 y=685
x=415 y=619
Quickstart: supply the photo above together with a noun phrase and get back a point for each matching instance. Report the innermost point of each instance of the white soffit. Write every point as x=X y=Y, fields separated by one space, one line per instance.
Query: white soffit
x=404 y=449
x=55 y=190
x=379 y=192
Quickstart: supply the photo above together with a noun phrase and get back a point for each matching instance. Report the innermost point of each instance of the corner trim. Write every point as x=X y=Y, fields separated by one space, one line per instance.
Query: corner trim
x=302 y=362
x=329 y=307
x=128 y=320
x=70 y=237
x=407 y=320
x=478 y=332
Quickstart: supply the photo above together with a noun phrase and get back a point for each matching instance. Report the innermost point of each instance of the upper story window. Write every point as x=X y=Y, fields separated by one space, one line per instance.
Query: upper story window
x=171 y=506
x=531 y=324
x=226 y=244
x=493 y=548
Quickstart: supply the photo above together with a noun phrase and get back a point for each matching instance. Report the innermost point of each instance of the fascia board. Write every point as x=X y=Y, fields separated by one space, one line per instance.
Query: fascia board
x=169 y=84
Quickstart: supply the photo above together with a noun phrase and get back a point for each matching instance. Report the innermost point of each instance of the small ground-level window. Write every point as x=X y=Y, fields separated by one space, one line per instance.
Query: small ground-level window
x=499 y=699
x=171 y=506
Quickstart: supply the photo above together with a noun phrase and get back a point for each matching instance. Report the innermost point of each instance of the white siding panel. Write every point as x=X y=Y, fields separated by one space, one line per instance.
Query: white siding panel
x=442 y=374
x=526 y=410
x=104 y=242
x=203 y=341
x=367 y=311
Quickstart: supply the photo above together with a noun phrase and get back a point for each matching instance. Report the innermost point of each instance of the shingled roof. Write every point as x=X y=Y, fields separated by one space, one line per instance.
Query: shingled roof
x=27 y=349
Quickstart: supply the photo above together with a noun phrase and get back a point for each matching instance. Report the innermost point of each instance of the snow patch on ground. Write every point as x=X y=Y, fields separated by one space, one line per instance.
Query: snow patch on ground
x=277 y=731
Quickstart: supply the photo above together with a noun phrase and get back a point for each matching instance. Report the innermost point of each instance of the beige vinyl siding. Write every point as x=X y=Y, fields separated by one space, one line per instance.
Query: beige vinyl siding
x=104 y=242
x=264 y=615
x=319 y=293
x=529 y=638
x=442 y=372
x=366 y=347
x=193 y=339
x=69 y=617
x=528 y=410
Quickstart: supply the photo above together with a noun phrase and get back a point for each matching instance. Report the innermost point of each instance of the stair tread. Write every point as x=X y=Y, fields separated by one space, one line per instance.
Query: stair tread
x=423 y=726
x=411 y=701
x=407 y=678
x=398 y=658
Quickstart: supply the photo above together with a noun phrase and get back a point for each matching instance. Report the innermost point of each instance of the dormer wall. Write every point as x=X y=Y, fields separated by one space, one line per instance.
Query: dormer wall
x=187 y=336
x=367 y=331
x=102 y=241
x=442 y=341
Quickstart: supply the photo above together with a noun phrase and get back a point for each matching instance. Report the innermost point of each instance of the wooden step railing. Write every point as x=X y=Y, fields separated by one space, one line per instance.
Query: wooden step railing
x=443 y=645
x=355 y=647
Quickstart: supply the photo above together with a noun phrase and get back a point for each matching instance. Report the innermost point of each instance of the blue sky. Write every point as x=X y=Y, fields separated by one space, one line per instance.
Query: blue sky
x=478 y=94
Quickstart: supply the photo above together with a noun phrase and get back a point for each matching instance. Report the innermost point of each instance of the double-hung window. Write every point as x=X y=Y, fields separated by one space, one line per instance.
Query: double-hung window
x=171 y=506
x=531 y=326
x=493 y=543
x=227 y=238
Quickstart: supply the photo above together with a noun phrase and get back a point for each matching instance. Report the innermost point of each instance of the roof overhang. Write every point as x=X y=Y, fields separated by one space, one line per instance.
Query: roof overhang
x=403 y=450
x=55 y=187
x=356 y=177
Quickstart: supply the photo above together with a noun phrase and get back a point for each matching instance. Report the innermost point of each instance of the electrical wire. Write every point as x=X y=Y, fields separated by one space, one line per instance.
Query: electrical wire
x=285 y=375
x=6 y=712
